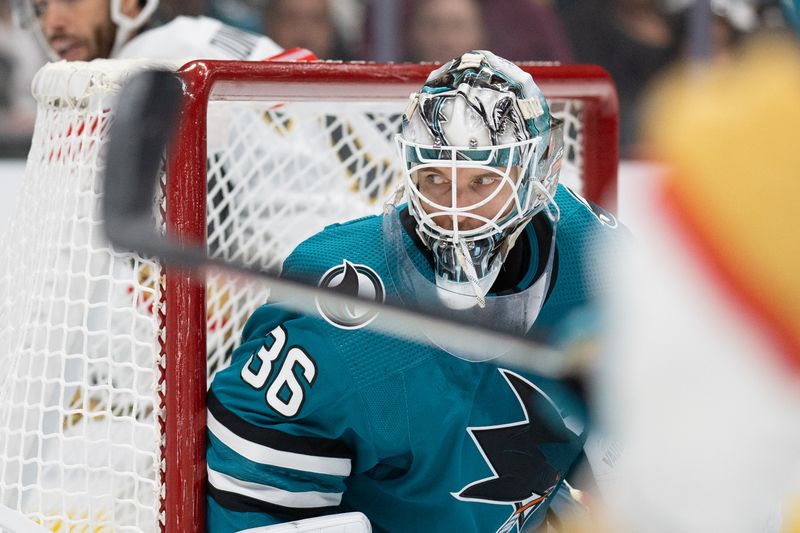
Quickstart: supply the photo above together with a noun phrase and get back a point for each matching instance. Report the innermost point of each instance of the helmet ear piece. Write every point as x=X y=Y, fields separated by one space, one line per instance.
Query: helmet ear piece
x=125 y=22
x=127 y=25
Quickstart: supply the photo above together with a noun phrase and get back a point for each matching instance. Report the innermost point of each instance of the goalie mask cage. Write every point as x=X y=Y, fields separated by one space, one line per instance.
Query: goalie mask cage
x=106 y=354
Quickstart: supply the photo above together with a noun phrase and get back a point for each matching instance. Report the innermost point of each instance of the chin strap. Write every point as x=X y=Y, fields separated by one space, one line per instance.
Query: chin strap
x=462 y=254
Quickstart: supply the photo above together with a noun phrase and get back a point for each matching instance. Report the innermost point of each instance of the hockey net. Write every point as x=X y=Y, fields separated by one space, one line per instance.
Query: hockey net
x=105 y=354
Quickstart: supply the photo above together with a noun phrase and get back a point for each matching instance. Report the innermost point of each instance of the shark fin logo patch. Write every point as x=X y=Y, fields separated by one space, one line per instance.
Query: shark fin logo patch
x=520 y=455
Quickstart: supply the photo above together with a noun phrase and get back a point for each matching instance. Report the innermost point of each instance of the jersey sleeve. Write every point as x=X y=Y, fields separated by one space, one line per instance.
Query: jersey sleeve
x=285 y=426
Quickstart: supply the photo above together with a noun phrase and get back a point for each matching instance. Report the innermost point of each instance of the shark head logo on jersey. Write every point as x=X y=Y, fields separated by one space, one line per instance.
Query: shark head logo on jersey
x=527 y=457
x=352 y=280
x=481 y=156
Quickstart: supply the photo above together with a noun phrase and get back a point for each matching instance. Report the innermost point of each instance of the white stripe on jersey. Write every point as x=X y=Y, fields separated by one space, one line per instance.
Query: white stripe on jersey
x=265 y=493
x=258 y=453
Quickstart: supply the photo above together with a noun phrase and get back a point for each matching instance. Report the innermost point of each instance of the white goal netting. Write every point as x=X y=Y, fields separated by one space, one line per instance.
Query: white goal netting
x=82 y=326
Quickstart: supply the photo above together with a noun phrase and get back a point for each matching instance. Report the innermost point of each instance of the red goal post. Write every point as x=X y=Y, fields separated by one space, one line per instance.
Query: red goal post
x=109 y=353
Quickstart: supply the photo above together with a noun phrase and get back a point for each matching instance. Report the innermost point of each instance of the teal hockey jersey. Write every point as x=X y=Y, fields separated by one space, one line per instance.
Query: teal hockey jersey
x=317 y=415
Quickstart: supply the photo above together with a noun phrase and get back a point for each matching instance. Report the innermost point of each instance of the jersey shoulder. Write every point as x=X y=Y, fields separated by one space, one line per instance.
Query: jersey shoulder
x=577 y=210
x=587 y=240
x=358 y=241
x=351 y=257
x=187 y=38
x=586 y=232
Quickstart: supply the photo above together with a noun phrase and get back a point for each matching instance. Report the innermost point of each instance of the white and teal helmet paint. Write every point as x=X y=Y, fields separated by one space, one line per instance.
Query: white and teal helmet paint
x=479 y=111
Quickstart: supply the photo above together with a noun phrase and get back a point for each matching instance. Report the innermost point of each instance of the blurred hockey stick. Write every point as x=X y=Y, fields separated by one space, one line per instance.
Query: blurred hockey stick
x=138 y=136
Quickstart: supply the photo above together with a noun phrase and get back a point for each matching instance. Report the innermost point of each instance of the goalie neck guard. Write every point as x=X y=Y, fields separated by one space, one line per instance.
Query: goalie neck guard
x=512 y=313
x=481 y=155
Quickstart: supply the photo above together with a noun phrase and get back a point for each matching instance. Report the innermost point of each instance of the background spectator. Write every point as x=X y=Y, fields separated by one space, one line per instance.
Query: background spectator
x=244 y=14
x=526 y=30
x=729 y=21
x=443 y=29
x=313 y=24
x=438 y=30
x=632 y=39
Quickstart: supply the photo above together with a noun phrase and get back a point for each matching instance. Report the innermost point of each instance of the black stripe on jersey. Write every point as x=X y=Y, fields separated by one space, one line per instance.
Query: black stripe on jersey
x=236 y=42
x=245 y=504
x=275 y=439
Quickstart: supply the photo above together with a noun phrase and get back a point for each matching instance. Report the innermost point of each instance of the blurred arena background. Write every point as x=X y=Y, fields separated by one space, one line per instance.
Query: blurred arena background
x=635 y=40
x=663 y=117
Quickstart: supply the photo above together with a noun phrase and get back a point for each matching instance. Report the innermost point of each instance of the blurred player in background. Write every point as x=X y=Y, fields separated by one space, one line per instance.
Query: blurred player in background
x=703 y=385
x=442 y=29
x=82 y=30
x=320 y=415
x=318 y=25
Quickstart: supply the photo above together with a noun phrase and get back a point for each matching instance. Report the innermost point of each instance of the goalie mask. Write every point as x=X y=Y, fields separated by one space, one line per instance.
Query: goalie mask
x=481 y=155
x=26 y=14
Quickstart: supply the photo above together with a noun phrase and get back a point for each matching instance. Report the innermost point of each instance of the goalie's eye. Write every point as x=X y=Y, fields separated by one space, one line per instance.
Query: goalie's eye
x=433 y=178
x=486 y=180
